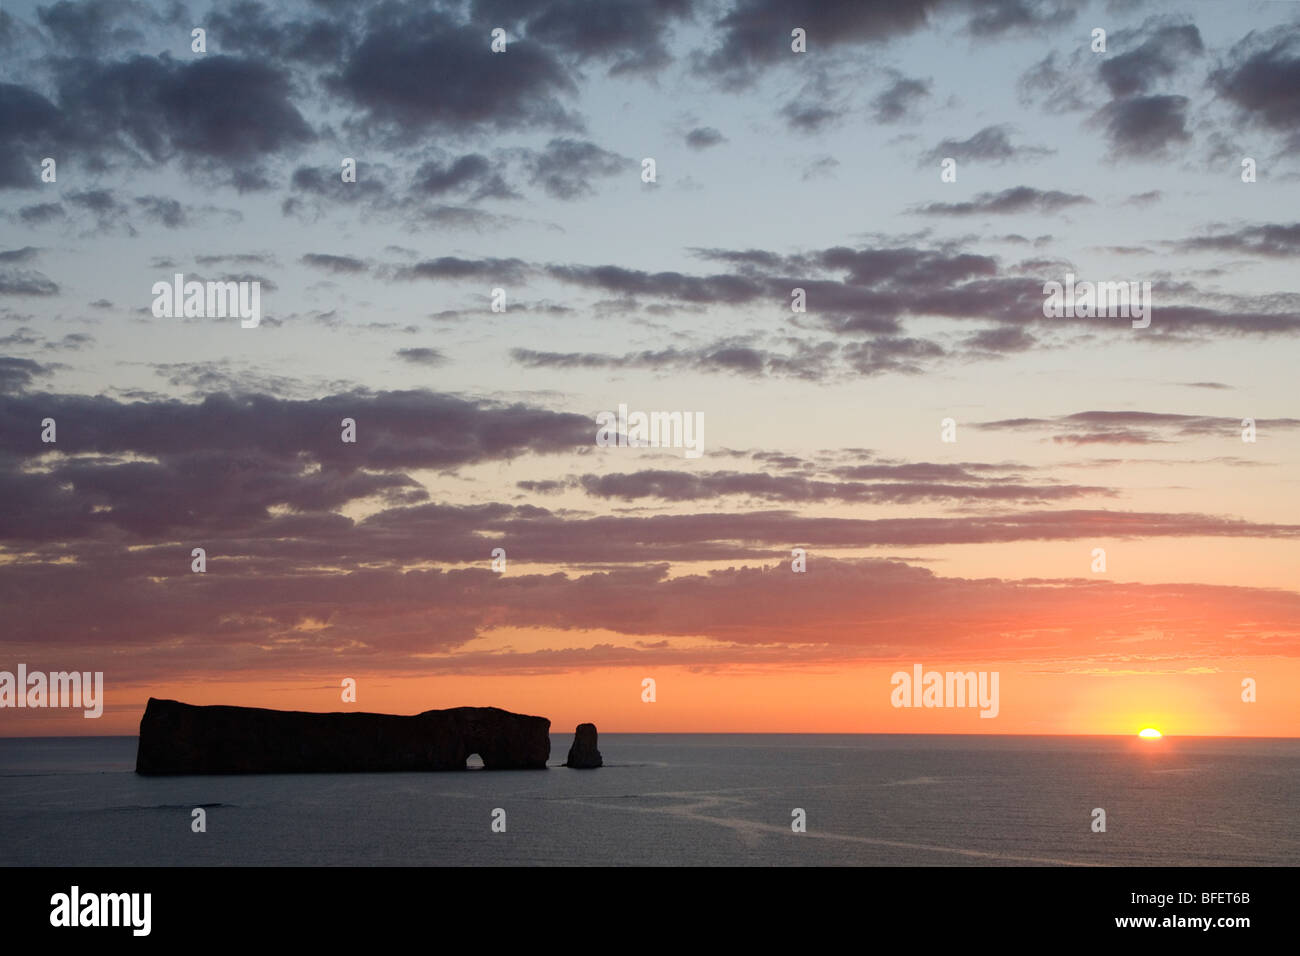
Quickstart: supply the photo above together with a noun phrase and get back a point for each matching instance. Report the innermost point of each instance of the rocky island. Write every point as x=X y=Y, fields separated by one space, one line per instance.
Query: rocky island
x=583 y=755
x=177 y=738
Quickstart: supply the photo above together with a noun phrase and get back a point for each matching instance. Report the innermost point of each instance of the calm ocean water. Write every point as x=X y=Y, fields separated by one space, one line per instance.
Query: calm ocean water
x=722 y=799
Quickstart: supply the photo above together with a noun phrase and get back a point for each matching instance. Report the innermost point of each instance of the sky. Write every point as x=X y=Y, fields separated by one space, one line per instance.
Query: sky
x=1099 y=531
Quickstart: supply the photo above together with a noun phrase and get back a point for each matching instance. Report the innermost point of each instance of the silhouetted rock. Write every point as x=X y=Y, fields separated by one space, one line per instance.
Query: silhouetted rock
x=180 y=738
x=583 y=755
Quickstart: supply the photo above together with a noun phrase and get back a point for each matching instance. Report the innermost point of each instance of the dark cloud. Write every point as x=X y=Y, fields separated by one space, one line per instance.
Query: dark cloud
x=703 y=137
x=17 y=374
x=450 y=267
x=1163 y=50
x=991 y=144
x=629 y=35
x=1054 y=88
x=1146 y=198
x=29 y=124
x=164 y=211
x=1262 y=80
x=806 y=361
x=41 y=213
x=872 y=290
x=473 y=174
x=1017 y=200
x=716 y=289
x=993 y=18
x=1274 y=240
x=237 y=259
x=168 y=464
x=1002 y=341
x=422 y=356
x=821 y=166
x=248 y=27
x=1144 y=127
x=26 y=282
x=694 y=486
x=218 y=112
x=902 y=96
x=810 y=117
x=753 y=34
x=92 y=25
x=417 y=69
x=907 y=356
x=1133 y=428
x=329 y=184
x=566 y=167
x=339 y=265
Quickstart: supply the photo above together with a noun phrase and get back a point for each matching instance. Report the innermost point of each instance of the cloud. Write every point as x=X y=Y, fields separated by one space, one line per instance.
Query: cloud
x=418 y=69
x=92 y=26
x=810 y=116
x=1262 y=80
x=1144 y=127
x=896 y=102
x=427 y=357
x=26 y=282
x=1007 y=339
x=1133 y=427
x=753 y=34
x=29 y=124
x=216 y=111
x=680 y=486
x=16 y=374
x=339 y=265
x=473 y=174
x=415 y=429
x=991 y=144
x=247 y=27
x=1275 y=240
x=702 y=137
x=806 y=361
x=1165 y=49
x=1017 y=200
x=1053 y=88
x=164 y=211
x=566 y=168
x=253 y=616
x=629 y=35
x=451 y=267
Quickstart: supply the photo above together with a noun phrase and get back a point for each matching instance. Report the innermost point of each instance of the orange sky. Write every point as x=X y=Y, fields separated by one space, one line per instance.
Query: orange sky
x=852 y=699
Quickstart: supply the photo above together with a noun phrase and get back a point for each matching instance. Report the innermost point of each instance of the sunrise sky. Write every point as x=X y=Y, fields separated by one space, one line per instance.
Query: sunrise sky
x=775 y=170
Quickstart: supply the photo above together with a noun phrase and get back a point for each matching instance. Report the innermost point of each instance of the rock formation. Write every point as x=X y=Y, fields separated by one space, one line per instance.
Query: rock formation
x=583 y=755
x=178 y=738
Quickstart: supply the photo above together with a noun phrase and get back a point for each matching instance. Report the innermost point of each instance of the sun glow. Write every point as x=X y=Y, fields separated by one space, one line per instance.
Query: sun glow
x=1150 y=732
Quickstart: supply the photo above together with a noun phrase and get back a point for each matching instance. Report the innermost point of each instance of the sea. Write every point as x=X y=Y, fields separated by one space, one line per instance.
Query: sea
x=682 y=800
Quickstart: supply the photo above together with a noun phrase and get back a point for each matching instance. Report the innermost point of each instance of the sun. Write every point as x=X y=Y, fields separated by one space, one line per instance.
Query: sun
x=1150 y=732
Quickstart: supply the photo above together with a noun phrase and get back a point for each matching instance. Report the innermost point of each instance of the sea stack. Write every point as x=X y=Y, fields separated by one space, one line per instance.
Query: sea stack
x=178 y=738
x=583 y=755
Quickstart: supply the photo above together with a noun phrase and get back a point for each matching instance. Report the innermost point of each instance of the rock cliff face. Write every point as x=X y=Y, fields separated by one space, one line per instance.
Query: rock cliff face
x=583 y=755
x=178 y=738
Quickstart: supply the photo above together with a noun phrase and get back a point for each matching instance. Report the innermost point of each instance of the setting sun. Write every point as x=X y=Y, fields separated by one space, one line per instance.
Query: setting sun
x=1150 y=732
